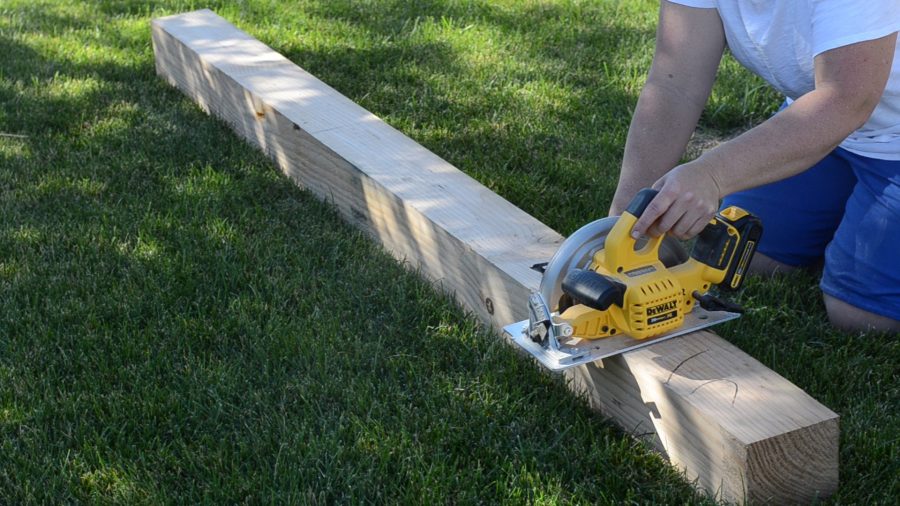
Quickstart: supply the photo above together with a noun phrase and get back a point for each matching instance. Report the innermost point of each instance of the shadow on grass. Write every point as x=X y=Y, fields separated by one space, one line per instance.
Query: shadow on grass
x=184 y=325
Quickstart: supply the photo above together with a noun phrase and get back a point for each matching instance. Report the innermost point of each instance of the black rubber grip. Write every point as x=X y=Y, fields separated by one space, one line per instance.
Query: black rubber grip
x=592 y=289
x=641 y=201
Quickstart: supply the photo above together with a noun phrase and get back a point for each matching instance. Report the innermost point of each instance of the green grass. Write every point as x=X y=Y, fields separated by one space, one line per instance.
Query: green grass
x=178 y=323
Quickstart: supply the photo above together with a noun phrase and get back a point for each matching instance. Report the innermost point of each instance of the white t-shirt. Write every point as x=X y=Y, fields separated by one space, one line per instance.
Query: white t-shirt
x=778 y=39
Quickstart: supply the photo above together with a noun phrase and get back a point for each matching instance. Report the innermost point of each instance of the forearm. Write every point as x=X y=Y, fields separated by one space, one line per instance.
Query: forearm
x=689 y=45
x=786 y=144
x=849 y=82
x=663 y=122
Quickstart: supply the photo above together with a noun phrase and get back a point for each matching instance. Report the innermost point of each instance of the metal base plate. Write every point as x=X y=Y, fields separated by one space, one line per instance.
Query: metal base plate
x=582 y=351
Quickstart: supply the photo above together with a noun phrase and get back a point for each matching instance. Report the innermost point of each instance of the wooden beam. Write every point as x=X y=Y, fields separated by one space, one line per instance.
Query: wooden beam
x=741 y=430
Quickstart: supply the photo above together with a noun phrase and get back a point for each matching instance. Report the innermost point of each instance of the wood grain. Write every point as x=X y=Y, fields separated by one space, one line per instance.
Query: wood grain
x=741 y=430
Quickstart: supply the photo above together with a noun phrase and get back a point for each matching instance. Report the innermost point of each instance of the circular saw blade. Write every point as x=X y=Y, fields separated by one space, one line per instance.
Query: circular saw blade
x=577 y=251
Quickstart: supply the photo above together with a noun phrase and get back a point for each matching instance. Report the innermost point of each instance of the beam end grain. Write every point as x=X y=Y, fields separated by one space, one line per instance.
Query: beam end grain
x=741 y=430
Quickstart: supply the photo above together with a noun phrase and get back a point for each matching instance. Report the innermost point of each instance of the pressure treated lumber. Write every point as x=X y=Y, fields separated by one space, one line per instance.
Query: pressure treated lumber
x=741 y=430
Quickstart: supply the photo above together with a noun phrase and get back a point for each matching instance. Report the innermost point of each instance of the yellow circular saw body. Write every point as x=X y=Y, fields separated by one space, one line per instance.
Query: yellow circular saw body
x=658 y=275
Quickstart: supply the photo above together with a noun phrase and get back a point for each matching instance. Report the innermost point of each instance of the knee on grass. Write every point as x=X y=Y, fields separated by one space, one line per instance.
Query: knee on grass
x=851 y=318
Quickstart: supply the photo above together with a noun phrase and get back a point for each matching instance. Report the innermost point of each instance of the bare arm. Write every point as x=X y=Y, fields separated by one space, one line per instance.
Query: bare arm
x=849 y=82
x=689 y=46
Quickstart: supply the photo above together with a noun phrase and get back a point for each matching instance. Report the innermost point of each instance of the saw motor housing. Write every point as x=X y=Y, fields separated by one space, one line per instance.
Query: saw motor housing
x=627 y=288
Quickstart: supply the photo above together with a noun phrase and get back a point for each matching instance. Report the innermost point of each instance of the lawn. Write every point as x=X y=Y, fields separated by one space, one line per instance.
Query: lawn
x=179 y=323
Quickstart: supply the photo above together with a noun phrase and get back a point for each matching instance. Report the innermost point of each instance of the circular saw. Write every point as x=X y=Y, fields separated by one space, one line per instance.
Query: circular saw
x=604 y=293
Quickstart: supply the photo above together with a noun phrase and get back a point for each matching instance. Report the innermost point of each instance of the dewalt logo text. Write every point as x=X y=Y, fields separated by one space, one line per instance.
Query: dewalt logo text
x=661 y=308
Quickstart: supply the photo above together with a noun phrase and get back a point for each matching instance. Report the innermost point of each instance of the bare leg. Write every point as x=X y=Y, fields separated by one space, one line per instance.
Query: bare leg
x=847 y=317
x=767 y=266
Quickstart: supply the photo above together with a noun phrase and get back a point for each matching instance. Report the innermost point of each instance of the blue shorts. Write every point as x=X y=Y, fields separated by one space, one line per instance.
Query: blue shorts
x=846 y=208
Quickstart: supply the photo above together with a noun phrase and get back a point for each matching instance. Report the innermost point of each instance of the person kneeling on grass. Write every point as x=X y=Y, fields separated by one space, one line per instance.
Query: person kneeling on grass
x=823 y=173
